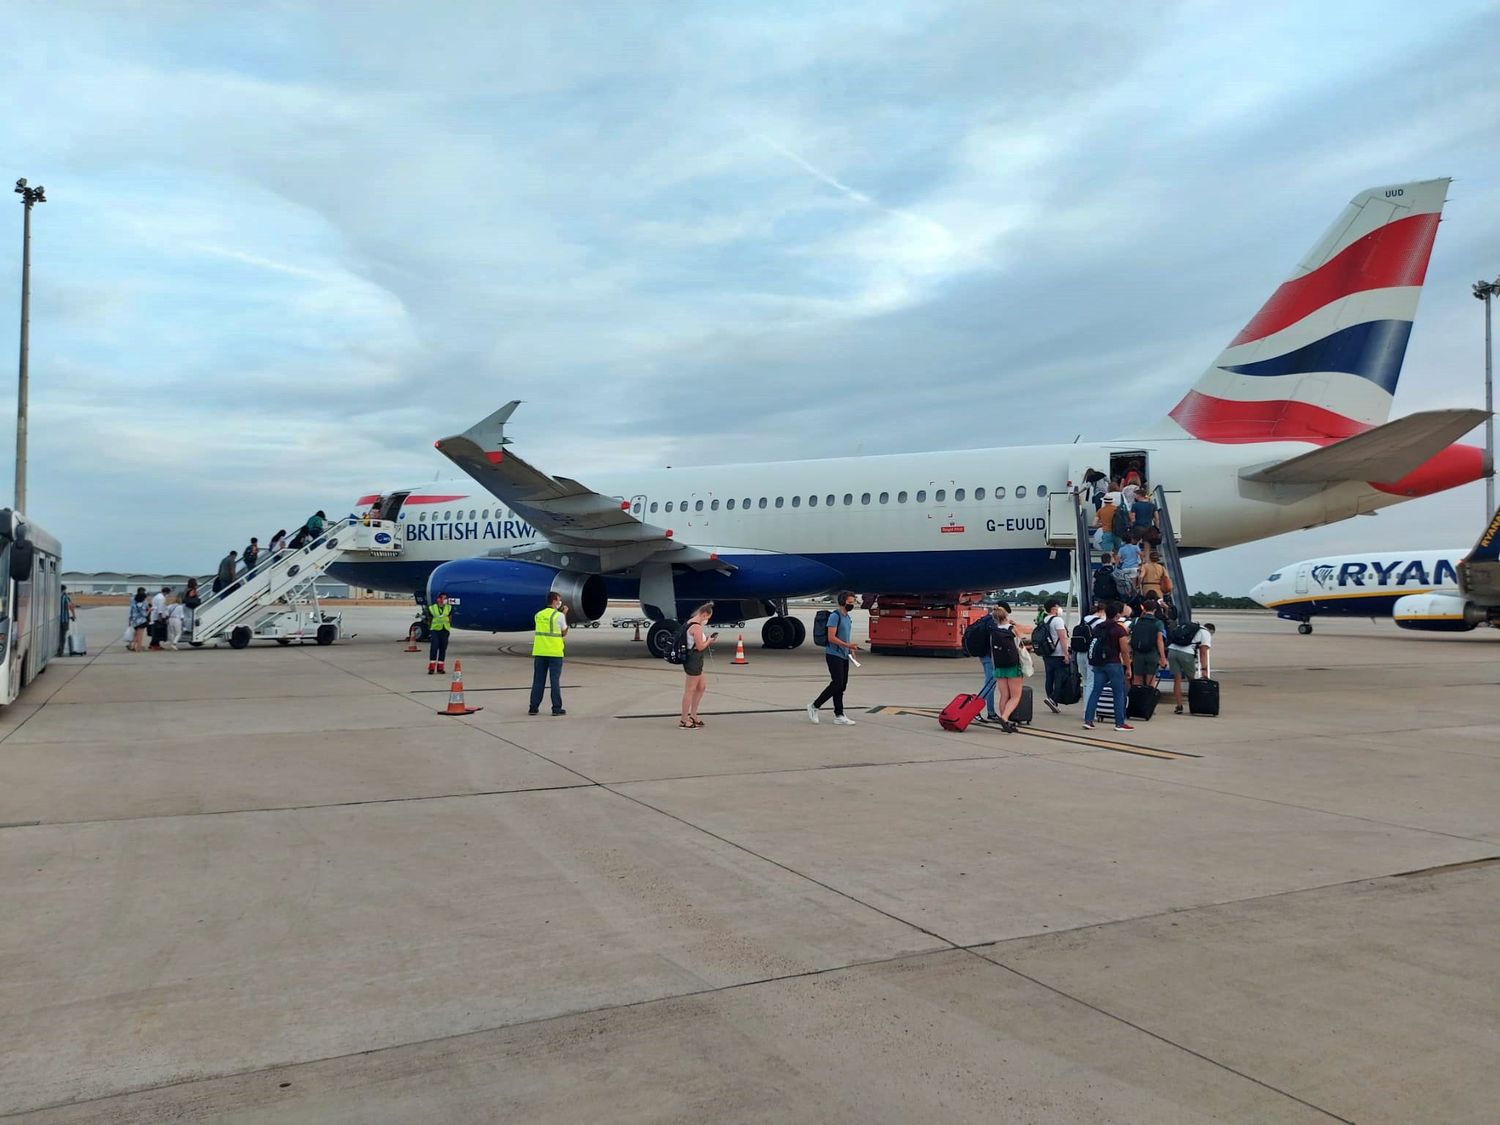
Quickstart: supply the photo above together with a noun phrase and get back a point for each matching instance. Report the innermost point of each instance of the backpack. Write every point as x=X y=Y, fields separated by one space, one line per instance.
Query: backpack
x=1105 y=585
x=1005 y=651
x=678 y=653
x=977 y=637
x=1042 y=639
x=1082 y=635
x=1098 y=646
x=1182 y=633
x=1121 y=523
x=1143 y=634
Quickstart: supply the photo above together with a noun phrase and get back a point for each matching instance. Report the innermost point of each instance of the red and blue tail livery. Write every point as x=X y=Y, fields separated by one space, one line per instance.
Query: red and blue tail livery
x=1320 y=361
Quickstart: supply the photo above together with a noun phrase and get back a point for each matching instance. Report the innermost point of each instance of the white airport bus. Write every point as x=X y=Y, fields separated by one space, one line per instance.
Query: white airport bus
x=30 y=601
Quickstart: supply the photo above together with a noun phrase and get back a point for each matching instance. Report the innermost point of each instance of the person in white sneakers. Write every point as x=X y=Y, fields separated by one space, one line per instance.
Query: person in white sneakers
x=837 y=646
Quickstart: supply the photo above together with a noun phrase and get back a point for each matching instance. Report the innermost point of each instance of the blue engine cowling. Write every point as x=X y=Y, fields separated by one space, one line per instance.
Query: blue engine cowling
x=503 y=595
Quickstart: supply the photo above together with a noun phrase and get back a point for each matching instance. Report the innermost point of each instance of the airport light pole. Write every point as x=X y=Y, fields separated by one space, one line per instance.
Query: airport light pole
x=1486 y=291
x=30 y=196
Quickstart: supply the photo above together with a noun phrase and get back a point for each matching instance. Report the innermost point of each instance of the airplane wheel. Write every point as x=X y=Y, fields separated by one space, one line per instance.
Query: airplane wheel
x=1305 y=628
x=799 y=632
x=327 y=634
x=776 y=633
x=659 y=639
x=239 y=636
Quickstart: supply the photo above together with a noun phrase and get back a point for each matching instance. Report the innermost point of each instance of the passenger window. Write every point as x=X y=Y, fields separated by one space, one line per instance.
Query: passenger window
x=698 y=507
x=682 y=507
x=423 y=517
x=864 y=498
x=762 y=502
x=885 y=497
x=484 y=515
x=448 y=515
x=940 y=495
x=669 y=505
x=746 y=504
x=714 y=507
x=921 y=496
x=848 y=499
x=958 y=494
x=778 y=501
x=796 y=501
x=979 y=494
x=1041 y=490
x=471 y=513
x=901 y=498
x=812 y=501
x=653 y=507
x=637 y=508
x=730 y=505
x=1000 y=492
x=1020 y=491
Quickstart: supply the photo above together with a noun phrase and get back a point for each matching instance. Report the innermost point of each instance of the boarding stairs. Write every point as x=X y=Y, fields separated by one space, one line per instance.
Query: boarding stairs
x=278 y=600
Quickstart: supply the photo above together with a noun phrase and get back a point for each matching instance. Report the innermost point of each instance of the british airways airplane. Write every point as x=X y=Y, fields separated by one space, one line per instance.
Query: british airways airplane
x=1288 y=428
x=1435 y=591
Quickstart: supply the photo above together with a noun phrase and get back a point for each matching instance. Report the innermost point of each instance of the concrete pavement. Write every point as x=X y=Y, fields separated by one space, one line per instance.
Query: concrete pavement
x=272 y=885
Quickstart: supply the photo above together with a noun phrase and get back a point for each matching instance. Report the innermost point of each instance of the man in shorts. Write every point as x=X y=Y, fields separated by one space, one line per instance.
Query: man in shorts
x=1189 y=660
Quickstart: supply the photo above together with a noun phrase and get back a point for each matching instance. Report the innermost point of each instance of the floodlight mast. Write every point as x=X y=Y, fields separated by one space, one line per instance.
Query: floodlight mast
x=30 y=196
x=1486 y=292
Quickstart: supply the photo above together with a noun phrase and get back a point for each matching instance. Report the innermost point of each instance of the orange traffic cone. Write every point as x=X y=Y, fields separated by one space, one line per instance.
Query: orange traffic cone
x=637 y=630
x=739 y=651
x=411 y=638
x=456 y=694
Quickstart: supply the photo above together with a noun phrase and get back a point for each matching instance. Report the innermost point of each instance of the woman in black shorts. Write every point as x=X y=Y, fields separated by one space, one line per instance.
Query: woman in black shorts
x=698 y=640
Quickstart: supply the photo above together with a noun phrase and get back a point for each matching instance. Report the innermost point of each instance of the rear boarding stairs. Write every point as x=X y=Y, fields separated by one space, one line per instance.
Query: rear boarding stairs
x=278 y=600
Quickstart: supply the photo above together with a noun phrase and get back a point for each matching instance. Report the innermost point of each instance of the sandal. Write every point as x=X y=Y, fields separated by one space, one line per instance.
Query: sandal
x=686 y=724
x=699 y=723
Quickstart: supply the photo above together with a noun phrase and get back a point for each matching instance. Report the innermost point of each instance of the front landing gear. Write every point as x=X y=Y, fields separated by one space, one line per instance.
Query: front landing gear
x=1305 y=628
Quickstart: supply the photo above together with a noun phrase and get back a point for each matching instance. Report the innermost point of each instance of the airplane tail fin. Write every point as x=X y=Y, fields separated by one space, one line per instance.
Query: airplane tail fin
x=1320 y=360
x=1479 y=572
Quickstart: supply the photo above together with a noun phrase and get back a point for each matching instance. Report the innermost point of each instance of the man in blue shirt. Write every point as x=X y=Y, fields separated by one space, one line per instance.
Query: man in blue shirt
x=1129 y=558
x=837 y=645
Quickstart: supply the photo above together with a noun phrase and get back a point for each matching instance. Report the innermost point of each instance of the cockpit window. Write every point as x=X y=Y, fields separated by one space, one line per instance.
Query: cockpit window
x=1274 y=577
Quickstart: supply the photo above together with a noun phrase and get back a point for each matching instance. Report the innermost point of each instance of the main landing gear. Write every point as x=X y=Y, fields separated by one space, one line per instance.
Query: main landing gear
x=1305 y=628
x=783 y=630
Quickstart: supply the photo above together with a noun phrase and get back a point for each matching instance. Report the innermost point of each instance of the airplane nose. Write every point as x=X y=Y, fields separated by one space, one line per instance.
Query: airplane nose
x=1258 y=593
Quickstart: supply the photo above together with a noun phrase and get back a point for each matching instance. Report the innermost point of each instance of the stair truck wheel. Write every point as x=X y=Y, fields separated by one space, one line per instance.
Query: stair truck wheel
x=283 y=640
x=327 y=633
x=239 y=636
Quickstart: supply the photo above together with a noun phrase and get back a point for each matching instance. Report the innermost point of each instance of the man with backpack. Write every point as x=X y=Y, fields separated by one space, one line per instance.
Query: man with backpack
x=1187 y=655
x=1083 y=635
x=1049 y=640
x=837 y=646
x=1148 y=649
x=1107 y=583
x=1109 y=653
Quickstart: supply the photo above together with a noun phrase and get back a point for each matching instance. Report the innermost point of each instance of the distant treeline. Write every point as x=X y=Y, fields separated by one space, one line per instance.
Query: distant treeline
x=1211 y=600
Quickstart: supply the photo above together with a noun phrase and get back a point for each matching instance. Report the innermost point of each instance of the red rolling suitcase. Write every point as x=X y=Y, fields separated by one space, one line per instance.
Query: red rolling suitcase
x=961 y=712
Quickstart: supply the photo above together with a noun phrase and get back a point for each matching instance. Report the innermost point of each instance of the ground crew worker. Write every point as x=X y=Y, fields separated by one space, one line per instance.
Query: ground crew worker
x=547 y=653
x=439 y=626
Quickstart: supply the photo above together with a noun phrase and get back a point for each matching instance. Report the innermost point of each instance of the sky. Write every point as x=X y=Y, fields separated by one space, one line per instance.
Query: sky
x=287 y=246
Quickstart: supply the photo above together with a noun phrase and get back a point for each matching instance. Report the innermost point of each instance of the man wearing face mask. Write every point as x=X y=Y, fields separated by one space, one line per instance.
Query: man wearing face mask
x=838 y=644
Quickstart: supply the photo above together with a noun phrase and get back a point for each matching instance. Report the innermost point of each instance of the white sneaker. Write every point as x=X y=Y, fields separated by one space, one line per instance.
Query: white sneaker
x=812 y=712
x=842 y=721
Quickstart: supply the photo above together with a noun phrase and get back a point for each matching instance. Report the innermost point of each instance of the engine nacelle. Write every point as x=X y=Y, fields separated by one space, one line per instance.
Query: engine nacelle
x=503 y=595
x=1437 y=613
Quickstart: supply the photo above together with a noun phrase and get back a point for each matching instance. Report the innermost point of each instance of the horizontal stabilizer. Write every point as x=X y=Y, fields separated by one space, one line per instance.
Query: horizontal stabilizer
x=1387 y=452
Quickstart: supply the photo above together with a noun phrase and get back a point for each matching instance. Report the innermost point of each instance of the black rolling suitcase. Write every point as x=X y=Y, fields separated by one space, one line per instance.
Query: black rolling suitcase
x=1140 y=702
x=1072 y=687
x=1203 y=697
x=1022 y=713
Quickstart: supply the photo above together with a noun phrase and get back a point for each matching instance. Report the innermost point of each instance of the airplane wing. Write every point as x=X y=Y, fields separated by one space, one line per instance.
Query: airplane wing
x=1386 y=452
x=572 y=517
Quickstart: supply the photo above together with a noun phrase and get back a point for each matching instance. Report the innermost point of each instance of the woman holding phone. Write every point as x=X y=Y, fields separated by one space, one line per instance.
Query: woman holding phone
x=698 y=638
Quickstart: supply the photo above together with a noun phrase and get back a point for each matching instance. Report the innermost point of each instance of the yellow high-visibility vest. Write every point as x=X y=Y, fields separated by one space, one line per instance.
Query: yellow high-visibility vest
x=441 y=615
x=549 y=636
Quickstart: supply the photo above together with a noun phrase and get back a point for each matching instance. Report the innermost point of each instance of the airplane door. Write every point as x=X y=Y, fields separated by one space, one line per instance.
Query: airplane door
x=1302 y=579
x=390 y=506
x=1062 y=520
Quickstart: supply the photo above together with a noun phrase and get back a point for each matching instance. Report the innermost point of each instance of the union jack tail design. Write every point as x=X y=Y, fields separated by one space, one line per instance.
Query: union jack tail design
x=1320 y=361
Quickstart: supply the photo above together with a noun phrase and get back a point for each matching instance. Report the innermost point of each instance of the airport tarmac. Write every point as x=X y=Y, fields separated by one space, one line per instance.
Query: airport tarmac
x=275 y=886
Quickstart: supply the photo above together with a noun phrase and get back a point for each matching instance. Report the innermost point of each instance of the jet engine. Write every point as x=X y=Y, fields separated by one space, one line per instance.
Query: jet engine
x=1438 y=613
x=503 y=595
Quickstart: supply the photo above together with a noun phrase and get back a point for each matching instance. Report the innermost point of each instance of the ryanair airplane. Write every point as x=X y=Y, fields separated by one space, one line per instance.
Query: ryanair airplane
x=1289 y=427
x=1435 y=591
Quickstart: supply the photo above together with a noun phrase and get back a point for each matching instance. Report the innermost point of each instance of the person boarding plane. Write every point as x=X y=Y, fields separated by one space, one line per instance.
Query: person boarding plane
x=1288 y=428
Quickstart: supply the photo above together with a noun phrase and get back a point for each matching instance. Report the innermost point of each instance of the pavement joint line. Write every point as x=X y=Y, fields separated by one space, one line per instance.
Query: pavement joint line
x=1160 y=1038
x=294 y=808
x=535 y=1021
x=808 y=769
x=1092 y=762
